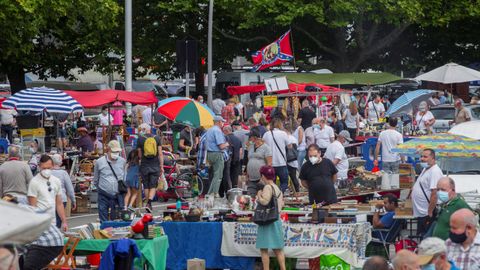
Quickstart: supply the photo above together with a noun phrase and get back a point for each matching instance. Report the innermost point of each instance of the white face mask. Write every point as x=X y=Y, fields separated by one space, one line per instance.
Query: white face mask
x=114 y=156
x=46 y=173
x=313 y=159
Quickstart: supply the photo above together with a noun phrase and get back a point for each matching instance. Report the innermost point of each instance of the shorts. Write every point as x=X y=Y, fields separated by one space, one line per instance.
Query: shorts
x=150 y=180
x=61 y=133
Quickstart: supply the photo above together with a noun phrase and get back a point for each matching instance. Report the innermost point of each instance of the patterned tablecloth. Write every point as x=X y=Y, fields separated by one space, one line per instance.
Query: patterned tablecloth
x=347 y=241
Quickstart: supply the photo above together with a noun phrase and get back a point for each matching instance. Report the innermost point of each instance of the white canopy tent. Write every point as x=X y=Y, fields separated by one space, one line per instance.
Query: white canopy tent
x=450 y=73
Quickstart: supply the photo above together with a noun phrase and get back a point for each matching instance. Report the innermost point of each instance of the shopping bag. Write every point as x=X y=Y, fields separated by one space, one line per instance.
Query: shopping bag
x=162 y=183
x=333 y=262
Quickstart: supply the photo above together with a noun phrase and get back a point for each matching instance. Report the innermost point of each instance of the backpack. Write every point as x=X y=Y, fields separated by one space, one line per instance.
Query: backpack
x=150 y=147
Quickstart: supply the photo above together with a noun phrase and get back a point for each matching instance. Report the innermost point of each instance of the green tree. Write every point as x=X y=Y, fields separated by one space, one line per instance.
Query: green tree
x=345 y=35
x=49 y=38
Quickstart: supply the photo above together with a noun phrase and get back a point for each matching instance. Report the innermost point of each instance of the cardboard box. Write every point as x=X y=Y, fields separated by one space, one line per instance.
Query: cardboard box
x=83 y=204
x=196 y=264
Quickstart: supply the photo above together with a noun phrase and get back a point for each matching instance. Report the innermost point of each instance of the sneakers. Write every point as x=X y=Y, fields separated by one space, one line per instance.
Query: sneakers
x=131 y=209
x=148 y=208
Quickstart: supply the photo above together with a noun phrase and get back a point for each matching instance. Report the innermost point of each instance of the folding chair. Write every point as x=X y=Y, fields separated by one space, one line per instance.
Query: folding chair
x=66 y=258
x=391 y=234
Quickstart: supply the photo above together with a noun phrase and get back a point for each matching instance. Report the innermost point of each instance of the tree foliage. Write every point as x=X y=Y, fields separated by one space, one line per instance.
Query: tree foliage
x=50 y=38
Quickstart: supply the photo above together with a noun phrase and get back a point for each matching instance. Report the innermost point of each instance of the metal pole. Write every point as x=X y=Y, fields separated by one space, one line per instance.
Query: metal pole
x=187 y=75
x=210 y=27
x=128 y=50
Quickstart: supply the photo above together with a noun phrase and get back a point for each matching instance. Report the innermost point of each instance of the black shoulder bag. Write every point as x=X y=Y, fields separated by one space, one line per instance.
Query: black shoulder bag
x=267 y=214
x=122 y=187
x=292 y=153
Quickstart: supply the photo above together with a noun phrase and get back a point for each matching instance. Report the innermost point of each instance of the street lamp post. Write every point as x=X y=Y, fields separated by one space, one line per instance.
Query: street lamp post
x=128 y=50
x=209 y=56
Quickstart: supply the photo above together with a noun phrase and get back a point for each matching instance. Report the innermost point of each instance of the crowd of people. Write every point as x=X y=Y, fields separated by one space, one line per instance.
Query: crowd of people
x=310 y=152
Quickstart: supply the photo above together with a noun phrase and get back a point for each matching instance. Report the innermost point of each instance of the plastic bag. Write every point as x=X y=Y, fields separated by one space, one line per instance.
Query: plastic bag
x=162 y=183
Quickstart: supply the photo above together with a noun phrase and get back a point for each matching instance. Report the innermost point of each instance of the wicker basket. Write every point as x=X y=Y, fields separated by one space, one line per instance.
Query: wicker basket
x=86 y=166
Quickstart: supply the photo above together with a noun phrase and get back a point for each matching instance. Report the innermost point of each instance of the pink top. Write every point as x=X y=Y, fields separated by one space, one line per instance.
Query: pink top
x=118 y=117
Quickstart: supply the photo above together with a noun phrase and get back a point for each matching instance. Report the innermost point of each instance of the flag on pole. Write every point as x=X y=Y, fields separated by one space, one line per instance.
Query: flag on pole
x=274 y=54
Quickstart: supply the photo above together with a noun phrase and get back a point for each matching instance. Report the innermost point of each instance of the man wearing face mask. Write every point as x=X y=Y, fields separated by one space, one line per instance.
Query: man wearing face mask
x=45 y=191
x=463 y=247
x=336 y=153
x=432 y=255
x=424 y=192
x=325 y=136
x=108 y=170
x=105 y=119
x=311 y=131
x=450 y=202
x=318 y=175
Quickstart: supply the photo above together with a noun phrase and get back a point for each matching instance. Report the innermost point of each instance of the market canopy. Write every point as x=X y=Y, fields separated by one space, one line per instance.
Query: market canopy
x=343 y=78
x=99 y=98
x=38 y=99
x=450 y=73
x=293 y=88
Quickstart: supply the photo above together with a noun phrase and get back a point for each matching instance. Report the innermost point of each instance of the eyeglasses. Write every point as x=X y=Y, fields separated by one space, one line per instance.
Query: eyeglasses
x=49 y=186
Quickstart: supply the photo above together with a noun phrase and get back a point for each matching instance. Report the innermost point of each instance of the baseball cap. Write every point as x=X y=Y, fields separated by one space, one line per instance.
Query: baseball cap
x=345 y=134
x=218 y=118
x=114 y=146
x=254 y=132
x=430 y=247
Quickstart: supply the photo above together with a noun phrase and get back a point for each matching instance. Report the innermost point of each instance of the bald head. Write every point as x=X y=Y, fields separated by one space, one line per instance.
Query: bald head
x=376 y=263
x=464 y=217
x=227 y=129
x=405 y=260
x=316 y=121
x=446 y=183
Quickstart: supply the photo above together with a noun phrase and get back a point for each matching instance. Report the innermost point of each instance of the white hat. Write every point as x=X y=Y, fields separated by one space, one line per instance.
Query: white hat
x=114 y=146
x=430 y=247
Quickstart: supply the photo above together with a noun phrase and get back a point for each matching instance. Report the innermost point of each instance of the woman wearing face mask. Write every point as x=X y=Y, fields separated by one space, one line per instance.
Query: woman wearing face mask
x=318 y=175
x=270 y=236
x=35 y=158
x=424 y=119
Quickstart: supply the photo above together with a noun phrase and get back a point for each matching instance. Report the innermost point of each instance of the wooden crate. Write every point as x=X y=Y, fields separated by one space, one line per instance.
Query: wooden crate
x=83 y=204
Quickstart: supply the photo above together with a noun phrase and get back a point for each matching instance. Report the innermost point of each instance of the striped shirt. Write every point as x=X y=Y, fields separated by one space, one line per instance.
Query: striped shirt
x=468 y=258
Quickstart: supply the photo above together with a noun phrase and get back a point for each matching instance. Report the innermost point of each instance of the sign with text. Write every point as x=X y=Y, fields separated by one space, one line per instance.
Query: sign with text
x=270 y=101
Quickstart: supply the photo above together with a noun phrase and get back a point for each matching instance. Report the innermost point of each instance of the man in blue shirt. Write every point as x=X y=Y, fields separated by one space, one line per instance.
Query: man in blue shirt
x=215 y=143
x=432 y=254
x=390 y=202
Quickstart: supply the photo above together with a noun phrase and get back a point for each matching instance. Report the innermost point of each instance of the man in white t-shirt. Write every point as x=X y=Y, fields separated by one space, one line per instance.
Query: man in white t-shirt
x=325 y=136
x=424 y=192
x=375 y=110
x=45 y=191
x=388 y=140
x=336 y=153
x=147 y=116
x=104 y=118
x=278 y=141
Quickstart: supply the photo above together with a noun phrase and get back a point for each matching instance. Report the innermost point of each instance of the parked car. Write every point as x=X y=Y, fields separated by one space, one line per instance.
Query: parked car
x=141 y=86
x=445 y=114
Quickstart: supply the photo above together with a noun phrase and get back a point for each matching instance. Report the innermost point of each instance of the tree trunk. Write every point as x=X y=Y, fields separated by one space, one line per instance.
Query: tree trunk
x=16 y=77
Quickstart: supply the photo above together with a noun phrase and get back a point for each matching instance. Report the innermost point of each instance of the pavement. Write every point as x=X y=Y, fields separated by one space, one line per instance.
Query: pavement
x=82 y=219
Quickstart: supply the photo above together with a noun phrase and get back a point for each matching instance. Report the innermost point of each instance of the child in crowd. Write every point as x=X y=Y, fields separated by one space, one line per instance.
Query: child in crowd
x=132 y=180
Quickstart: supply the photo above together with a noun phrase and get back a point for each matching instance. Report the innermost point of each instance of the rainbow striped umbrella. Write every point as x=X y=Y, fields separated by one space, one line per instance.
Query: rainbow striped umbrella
x=186 y=111
x=445 y=145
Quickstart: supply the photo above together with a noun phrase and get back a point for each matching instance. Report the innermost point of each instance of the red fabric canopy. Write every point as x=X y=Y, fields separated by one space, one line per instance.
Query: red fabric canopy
x=89 y=99
x=293 y=87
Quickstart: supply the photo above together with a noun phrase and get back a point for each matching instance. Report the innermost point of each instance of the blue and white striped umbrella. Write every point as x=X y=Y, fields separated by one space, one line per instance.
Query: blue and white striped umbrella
x=38 y=99
x=408 y=101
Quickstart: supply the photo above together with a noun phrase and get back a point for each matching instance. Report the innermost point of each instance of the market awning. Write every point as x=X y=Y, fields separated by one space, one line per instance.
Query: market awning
x=343 y=78
x=99 y=98
x=293 y=88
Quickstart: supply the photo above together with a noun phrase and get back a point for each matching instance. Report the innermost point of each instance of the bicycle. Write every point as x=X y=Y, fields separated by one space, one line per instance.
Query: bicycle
x=181 y=184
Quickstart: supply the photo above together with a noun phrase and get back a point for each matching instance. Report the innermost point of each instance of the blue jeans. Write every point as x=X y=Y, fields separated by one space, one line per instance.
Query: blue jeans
x=108 y=205
x=301 y=158
x=282 y=173
x=59 y=220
